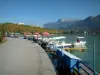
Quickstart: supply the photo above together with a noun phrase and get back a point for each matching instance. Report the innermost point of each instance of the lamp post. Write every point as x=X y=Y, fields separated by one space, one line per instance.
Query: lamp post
x=94 y=56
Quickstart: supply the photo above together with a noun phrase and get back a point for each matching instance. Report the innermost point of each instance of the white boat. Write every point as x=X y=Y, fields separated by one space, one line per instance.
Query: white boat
x=58 y=38
x=54 y=43
x=80 y=37
x=63 y=45
x=57 y=44
x=80 y=43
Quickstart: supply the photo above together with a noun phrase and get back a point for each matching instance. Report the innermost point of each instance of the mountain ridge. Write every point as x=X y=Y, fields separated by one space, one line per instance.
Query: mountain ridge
x=90 y=22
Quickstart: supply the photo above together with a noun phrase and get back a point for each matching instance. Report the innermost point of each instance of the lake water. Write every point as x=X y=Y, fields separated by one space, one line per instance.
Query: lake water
x=87 y=56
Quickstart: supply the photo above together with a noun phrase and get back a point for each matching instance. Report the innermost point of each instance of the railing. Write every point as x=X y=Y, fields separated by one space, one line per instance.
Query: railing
x=83 y=69
x=79 y=67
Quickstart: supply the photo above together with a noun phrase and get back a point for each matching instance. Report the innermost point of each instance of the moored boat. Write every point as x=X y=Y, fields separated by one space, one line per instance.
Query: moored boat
x=78 y=45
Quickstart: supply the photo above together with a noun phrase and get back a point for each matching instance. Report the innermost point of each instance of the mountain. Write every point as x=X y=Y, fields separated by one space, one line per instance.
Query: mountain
x=88 y=23
x=60 y=24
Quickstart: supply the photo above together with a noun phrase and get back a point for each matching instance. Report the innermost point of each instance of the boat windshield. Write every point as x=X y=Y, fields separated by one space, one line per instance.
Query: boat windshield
x=60 y=46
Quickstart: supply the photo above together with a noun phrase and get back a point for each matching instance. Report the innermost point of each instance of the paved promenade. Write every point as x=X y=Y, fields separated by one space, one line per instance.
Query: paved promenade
x=22 y=57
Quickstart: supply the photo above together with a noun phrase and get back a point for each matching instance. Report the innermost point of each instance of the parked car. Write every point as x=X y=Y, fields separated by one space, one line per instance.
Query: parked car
x=30 y=38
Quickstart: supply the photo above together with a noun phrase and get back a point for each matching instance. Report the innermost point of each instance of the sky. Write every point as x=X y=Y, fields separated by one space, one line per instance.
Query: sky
x=39 y=12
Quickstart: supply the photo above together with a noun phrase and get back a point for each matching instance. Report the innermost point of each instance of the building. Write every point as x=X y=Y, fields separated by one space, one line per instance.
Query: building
x=21 y=23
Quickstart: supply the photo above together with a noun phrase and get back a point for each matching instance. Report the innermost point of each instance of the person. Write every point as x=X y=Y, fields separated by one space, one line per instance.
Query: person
x=78 y=40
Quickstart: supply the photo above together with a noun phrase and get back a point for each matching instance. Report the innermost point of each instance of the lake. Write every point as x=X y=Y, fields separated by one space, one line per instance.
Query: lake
x=87 y=56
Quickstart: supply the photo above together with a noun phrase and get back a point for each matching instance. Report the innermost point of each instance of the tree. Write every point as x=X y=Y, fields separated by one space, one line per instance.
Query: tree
x=11 y=27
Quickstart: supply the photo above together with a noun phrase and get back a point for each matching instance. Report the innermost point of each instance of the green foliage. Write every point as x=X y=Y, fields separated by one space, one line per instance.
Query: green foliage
x=0 y=37
x=11 y=27
x=1 y=33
